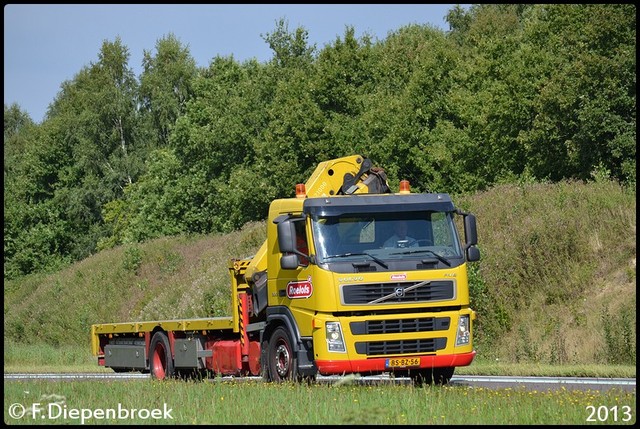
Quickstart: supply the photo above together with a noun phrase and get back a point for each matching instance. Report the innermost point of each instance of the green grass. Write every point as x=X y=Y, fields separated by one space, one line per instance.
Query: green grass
x=45 y=358
x=257 y=403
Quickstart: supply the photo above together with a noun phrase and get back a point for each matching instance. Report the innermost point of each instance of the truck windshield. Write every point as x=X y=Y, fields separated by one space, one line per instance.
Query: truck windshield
x=386 y=236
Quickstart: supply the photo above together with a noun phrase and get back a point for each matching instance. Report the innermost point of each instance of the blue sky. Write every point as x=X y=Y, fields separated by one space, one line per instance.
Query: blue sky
x=47 y=44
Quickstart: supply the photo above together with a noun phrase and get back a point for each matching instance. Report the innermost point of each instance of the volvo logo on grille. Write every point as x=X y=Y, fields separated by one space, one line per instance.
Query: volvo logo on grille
x=399 y=291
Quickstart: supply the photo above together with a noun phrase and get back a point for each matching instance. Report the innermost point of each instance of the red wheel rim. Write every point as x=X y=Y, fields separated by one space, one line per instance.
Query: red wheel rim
x=159 y=367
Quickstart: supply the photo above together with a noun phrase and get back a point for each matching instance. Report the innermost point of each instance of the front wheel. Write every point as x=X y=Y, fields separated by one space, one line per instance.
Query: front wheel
x=281 y=361
x=427 y=377
x=160 y=360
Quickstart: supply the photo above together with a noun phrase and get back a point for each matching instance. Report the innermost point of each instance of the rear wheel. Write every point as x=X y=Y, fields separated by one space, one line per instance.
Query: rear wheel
x=281 y=361
x=160 y=360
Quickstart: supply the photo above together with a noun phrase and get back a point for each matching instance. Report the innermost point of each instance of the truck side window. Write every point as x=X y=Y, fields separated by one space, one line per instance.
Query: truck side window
x=301 y=242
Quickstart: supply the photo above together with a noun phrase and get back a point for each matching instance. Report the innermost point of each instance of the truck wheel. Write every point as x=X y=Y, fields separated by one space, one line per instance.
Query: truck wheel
x=283 y=365
x=427 y=377
x=160 y=360
x=421 y=377
x=442 y=376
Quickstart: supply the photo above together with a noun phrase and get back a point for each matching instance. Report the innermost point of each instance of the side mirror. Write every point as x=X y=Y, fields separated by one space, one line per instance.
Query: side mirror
x=289 y=261
x=470 y=232
x=287 y=237
x=473 y=254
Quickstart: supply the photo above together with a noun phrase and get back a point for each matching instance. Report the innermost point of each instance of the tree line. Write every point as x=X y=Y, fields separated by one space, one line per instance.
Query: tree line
x=536 y=92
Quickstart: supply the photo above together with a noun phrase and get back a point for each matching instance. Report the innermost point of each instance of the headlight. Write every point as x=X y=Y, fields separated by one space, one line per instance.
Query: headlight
x=463 y=334
x=335 y=341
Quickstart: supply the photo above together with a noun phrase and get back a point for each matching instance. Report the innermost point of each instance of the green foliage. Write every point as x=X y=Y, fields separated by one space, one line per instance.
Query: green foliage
x=44 y=355
x=245 y=197
x=408 y=118
x=166 y=85
x=620 y=335
x=81 y=159
x=290 y=49
x=481 y=303
x=132 y=259
x=41 y=244
x=512 y=94
x=585 y=110
x=151 y=205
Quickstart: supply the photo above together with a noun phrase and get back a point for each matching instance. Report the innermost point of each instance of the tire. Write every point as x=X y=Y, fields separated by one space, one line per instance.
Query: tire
x=442 y=376
x=282 y=364
x=421 y=377
x=264 y=362
x=160 y=360
x=428 y=376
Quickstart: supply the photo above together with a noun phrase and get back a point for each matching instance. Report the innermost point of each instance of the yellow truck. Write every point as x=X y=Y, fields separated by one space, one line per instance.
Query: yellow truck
x=352 y=278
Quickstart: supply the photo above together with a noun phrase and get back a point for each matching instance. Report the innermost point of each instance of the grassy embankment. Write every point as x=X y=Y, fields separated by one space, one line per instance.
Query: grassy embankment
x=555 y=289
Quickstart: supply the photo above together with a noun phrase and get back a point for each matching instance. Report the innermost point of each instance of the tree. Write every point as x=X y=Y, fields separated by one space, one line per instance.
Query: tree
x=411 y=107
x=166 y=85
x=83 y=157
x=586 y=107
x=291 y=50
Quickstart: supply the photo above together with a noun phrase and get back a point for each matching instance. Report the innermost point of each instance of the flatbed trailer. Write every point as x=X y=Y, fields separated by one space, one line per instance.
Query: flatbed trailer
x=166 y=347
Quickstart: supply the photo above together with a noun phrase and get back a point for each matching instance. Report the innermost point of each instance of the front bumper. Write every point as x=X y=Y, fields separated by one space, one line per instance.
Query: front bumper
x=379 y=365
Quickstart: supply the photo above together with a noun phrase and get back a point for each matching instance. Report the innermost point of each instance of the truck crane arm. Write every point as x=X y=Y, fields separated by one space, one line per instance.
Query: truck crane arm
x=341 y=176
x=344 y=176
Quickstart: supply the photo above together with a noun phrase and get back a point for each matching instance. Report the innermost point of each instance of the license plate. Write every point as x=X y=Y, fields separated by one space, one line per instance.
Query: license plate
x=402 y=362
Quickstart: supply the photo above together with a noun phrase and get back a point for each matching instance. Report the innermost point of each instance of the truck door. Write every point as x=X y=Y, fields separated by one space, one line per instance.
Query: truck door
x=294 y=281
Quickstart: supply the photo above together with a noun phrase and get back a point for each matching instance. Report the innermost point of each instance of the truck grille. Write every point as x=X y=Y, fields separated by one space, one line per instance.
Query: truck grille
x=377 y=348
x=395 y=292
x=398 y=326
